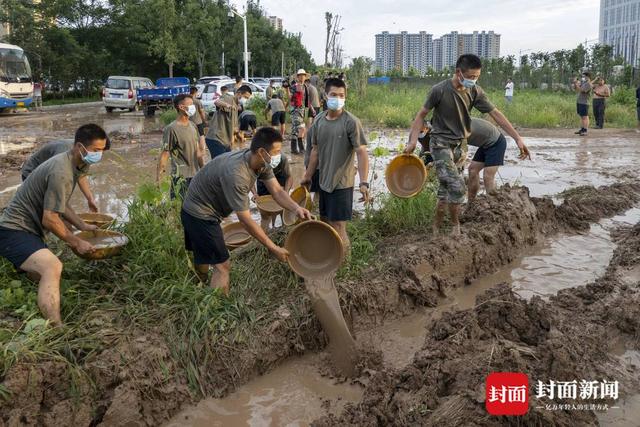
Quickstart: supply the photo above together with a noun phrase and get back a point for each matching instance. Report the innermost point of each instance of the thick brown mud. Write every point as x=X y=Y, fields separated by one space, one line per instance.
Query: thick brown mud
x=570 y=337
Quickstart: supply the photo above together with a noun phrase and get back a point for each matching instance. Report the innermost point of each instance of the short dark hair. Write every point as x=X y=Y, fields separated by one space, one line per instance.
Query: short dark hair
x=587 y=73
x=238 y=79
x=265 y=137
x=245 y=89
x=224 y=88
x=275 y=95
x=87 y=134
x=334 y=82
x=193 y=89
x=469 y=61
x=178 y=99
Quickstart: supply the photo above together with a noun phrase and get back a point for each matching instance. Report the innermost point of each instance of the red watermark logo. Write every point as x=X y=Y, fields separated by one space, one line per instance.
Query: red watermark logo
x=507 y=393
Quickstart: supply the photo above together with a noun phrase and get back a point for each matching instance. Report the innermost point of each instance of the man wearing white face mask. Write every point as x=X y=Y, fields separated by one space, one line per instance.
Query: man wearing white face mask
x=451 y=102
x=337 y=137
x=181 y=143
x=41 y=205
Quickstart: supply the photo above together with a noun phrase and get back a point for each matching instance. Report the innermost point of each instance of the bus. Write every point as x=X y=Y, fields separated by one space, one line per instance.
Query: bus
x=16 y=83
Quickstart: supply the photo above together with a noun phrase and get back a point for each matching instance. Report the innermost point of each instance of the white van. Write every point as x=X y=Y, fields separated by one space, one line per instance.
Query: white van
x=121 y=92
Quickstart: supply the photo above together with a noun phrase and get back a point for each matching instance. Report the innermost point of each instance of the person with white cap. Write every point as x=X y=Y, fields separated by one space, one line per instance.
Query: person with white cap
x=299 y=101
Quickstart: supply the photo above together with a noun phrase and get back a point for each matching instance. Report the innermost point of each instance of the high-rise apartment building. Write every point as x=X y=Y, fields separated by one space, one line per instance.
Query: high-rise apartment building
x=275 y=22
x=620 y=28
x=421 y=51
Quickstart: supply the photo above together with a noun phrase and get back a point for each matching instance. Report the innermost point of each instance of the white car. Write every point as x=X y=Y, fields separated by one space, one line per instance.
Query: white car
x=212 y=92
x=203 y=81
x=121 y=92
x=260 y=81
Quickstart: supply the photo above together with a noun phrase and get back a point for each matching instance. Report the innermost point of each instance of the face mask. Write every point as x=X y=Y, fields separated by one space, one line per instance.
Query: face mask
x=275 y=161
x=191 y=110
x=467 y=83
x=243 y=101
x=335 y=104
x=92 y=157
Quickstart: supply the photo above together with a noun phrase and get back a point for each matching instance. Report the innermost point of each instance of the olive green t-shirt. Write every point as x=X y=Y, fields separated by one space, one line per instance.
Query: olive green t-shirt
x=197 y=117
x=452 y=110
x=222 y=186
x=223 y=123
x=181 y=141
x=46 y=152
x=275 y=105
x=336 y=142
x=584 y=94
x=49 y=187
x=483 y=133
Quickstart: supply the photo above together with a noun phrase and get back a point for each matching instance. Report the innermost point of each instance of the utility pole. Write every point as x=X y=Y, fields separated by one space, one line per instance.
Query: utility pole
x=232 y=12
x=223 y=57
x=282 y=65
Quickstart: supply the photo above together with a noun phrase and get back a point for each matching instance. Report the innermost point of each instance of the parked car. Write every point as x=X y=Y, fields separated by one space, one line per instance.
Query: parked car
x=202 y=82
x=212 y=92
x=277 y=81
x=260 y=81
x=122 y=92
x=161 y=95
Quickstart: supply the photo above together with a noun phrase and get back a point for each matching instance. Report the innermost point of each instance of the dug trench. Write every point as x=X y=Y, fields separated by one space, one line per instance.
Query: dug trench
x=135 y=379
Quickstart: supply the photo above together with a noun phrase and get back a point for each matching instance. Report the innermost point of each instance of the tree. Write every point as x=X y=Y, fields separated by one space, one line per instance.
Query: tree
x=359 y=74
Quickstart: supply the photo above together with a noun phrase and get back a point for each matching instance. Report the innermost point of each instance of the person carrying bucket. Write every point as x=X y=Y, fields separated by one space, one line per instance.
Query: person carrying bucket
x=451 y=102
x=41 y=205
x=221 y=187
x=337 y=137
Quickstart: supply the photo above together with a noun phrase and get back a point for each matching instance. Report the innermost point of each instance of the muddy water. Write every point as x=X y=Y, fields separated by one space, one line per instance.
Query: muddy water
x=326 y=305
x=106 y=241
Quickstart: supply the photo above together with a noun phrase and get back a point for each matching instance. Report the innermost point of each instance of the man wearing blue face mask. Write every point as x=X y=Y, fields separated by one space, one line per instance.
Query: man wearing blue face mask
x=40 y=205
x=451 y=102
x=337 y=138
x=181 y=143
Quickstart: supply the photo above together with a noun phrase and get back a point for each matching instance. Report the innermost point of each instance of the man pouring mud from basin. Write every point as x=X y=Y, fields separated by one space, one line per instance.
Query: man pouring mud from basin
x=451 y=102
x=41 y=205
x=221 y=187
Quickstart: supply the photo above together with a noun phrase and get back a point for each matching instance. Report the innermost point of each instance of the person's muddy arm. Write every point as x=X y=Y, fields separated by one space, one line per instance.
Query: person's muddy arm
x=72 y=217
x=416 y=128
x=83 y=184
x=311 y=167
x=201 y=148
x=363 y=170
x=162 y=165
x=51 y=221
x=505 y=124
x=258 y=233
x=288 y=184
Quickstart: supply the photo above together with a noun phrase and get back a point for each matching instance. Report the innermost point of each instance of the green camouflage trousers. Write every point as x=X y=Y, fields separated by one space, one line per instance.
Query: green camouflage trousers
x=446 y=154
x=297 y=121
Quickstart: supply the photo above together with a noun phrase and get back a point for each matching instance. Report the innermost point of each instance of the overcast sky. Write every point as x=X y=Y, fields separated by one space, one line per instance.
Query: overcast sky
x=541 y=25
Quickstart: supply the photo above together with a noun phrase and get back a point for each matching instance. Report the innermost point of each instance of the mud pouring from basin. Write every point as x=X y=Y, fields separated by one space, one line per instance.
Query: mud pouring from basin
x=107 y=243
x=268 y=205
x=405 y=175
x=315 y=253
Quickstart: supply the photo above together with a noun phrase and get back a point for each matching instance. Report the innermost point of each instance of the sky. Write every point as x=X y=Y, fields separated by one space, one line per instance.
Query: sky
x=539 y=25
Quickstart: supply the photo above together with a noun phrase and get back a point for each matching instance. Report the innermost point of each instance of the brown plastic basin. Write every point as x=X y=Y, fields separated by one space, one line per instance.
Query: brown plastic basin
x=405 y=175
x=98 y=219
x=235 y=235
x=107 y=243
x=302 y=197
x=315 y=249
x=268 y=205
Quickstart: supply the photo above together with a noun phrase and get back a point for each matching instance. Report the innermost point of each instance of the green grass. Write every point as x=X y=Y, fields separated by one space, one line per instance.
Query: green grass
x=396 y=105
x=151 y=286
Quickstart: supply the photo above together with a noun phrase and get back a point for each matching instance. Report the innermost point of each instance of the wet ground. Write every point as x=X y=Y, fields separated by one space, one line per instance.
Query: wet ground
x=298 y=391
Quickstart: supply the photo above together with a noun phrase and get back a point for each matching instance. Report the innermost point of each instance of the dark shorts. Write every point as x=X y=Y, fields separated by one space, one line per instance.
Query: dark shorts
x=262 y=189
x=216 y=147
x=638 y=113
x=582 y=110
x=248 y=122
x=179 y=187
x=315 y=182
x=205 y=239
x=493 y=155
x=201 y=127
x=278 y=118
x=17 y=246
x=338 y=205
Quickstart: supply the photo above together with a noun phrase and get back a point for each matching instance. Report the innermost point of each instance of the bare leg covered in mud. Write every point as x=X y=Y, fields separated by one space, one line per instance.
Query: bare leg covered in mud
x=488 y=176
x=46 y=268
x=341 y=228
x=219 y=275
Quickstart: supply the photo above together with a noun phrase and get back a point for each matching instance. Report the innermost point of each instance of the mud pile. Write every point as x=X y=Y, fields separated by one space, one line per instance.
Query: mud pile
x=565 y=339
x=138 y=381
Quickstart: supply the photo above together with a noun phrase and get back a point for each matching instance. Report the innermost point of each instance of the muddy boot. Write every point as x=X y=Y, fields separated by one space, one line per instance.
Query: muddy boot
x=294 y=147
x=301 y=145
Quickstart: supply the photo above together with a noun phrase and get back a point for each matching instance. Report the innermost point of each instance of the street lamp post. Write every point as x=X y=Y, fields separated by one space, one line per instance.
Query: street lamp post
x=232 y=12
